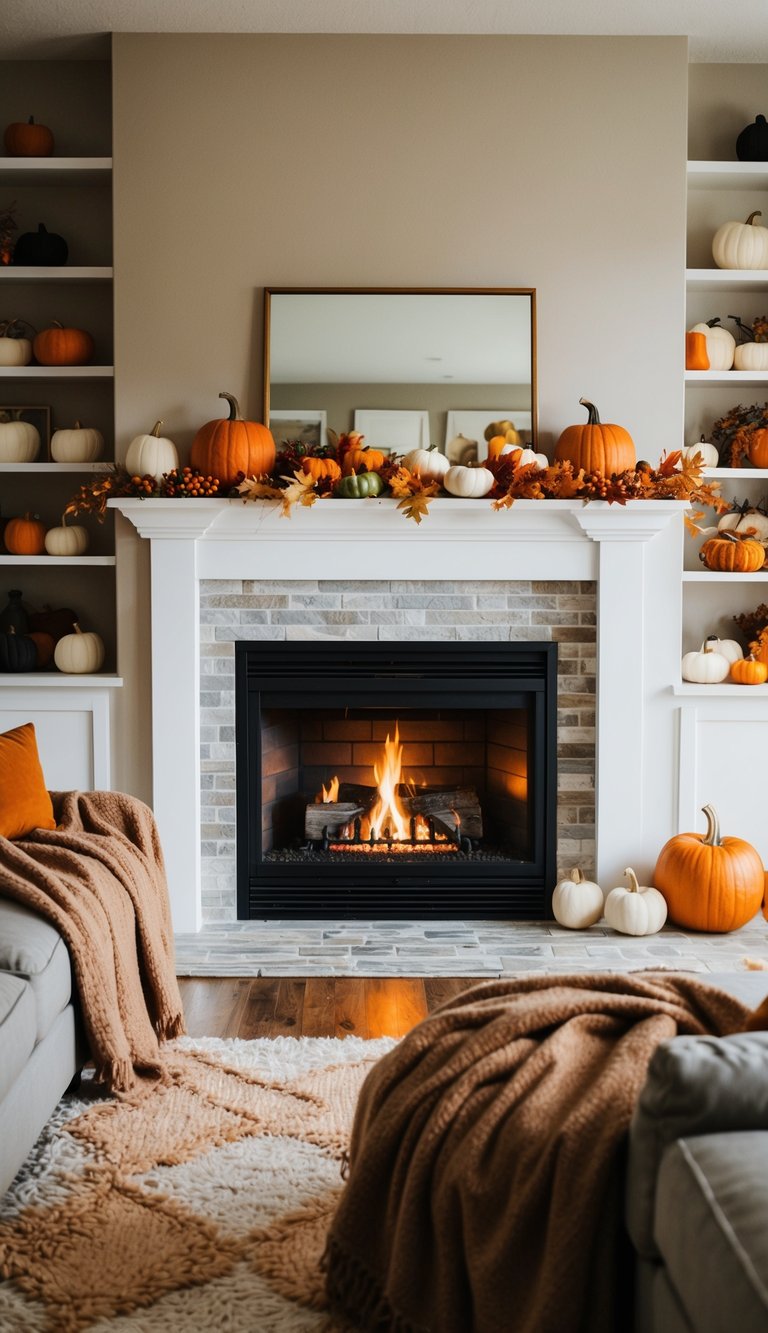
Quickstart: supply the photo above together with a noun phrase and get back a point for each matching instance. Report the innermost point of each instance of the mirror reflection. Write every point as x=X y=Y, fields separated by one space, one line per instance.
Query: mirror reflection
x=408 y=369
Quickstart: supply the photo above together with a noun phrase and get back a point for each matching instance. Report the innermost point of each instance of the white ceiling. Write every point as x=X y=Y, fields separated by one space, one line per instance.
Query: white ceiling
x=718 y=31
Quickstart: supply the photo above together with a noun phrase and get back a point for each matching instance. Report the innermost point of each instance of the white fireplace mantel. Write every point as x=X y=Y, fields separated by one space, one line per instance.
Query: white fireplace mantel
x=198 y=539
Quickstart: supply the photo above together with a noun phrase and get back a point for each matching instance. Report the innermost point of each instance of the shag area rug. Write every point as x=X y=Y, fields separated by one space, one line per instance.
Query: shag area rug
x=202 y=1204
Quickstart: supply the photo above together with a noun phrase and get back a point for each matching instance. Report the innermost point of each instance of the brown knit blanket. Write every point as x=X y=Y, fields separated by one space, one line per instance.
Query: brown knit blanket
x=483 y=1192
x=99 y=879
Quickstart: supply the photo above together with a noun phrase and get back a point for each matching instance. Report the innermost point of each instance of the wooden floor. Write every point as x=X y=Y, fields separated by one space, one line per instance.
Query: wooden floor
x=312 y=1006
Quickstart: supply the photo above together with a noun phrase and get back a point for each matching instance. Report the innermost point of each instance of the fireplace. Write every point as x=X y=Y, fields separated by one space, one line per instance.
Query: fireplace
x=395 y=779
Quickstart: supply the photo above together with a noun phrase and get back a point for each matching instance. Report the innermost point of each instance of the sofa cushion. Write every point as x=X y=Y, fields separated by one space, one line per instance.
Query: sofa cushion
x=24 y=801
x=695 y=1085
x=17 y=1028
x=710 y=1229
x=31 y=947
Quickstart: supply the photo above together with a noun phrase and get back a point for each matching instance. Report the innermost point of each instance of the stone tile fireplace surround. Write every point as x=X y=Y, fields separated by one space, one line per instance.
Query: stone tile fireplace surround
x=591 y=577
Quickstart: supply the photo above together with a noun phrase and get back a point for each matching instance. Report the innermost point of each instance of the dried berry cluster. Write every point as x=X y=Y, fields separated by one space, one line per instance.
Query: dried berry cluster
x=187 y=481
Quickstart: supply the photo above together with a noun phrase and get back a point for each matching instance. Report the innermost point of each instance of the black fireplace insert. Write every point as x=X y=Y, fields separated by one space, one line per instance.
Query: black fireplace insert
x=396 y=779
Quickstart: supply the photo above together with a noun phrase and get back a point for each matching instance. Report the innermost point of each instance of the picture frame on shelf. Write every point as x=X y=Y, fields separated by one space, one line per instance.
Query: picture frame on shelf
x=310 y=428
x=393 y=431
x=37 y=416
x=468 y=428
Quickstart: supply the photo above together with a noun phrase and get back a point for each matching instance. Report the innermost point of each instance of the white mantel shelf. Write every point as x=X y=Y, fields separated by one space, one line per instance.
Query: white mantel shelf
x=200 y=539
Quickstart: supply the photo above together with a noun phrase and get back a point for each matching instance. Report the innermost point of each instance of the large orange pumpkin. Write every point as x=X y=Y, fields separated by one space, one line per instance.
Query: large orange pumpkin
x=732 y=553
x=58 y=346
x=710 y=883
x=227 y=446
x=25 y=536
x=757 y=448
x=596 y=446
x=28 y=140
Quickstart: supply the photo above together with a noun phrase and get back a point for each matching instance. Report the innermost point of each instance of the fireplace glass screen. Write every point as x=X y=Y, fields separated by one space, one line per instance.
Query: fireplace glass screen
x=395 y=779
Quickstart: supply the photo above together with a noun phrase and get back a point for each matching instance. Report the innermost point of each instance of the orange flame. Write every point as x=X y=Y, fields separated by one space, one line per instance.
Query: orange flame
x=389 y=811
x=329 y=793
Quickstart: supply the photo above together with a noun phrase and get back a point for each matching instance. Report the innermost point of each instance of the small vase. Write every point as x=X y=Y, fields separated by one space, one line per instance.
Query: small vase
x=14 y=616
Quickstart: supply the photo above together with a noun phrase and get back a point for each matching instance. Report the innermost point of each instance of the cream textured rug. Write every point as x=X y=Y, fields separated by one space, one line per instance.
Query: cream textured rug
x=201 y=1205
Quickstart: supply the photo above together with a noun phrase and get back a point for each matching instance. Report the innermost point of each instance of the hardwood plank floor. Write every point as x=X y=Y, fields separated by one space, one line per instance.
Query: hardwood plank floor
x=312 y=1006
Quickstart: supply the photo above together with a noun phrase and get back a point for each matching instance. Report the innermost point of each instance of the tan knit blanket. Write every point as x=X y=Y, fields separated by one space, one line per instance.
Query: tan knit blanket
x=483 y=1192
x=99 y=879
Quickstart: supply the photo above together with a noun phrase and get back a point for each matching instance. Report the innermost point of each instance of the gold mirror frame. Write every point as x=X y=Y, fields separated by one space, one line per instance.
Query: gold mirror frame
x=530 y=292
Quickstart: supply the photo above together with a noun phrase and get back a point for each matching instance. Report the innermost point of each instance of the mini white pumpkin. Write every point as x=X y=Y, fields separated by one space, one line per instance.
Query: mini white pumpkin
x=19 y=440
x=151 y=455
x=745 y=520
x=67 y=540
x=80 y=444
x=721 y=344
x=527 y=456
x=637 y=910
x=577 y=902
x=741 y=244
x=709 y=454
x=429 y=464
x=751 y=355
x=79 y=654
x=727 y=648
x=705 y=667
x=470 y=483
x=15 y=351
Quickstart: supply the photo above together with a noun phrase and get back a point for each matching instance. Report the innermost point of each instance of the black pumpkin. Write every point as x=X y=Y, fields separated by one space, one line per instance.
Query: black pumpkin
x=17 y=652
x=40 y=247
x=752 y=143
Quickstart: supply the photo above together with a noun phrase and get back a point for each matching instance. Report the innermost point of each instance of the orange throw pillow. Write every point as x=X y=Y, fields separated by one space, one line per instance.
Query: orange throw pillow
x=24 y=801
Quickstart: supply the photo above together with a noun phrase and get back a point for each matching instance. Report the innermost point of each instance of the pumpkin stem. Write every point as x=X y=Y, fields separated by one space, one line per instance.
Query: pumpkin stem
x=749 y=336
x=751 y=221
x=712 y=835
x=577 y=876
x=76 y=628
x=631 y=879
x=156 y=429
x=234 y=406
x=593 y=418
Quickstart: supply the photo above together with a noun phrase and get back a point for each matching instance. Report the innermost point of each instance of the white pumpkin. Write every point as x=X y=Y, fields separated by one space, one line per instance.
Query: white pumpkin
x=151 y=455
x=15 y=351
x=81 y=444
x=636 y=910
x=751 y=356
x=727 y=648
x=19 y=440
x=741 y=244
x=721 y=344
x=470 y=483
x=429 y=464
x=67 y=540
x=79 y=654
x=705 y=667
x=745 y=520
x=527 y=456
x=709 y=454
x=577 y=902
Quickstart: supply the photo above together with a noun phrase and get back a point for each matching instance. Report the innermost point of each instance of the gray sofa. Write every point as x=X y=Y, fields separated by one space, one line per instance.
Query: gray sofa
x=40 y=1053
x=697 y=1181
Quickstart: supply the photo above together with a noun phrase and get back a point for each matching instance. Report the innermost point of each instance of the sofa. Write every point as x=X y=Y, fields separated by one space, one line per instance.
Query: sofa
x=40 y=1049
x=697 y=1180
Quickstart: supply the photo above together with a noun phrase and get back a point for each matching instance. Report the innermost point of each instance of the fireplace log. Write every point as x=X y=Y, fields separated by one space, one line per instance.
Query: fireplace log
x=439 y=804
x=332 y=815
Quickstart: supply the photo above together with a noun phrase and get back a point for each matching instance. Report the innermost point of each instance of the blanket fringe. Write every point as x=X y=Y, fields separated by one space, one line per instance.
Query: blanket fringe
x=353 y=1293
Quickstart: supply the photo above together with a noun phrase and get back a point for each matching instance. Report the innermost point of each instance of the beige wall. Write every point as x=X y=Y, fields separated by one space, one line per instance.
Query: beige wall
x=250 y=161
x=722 y=100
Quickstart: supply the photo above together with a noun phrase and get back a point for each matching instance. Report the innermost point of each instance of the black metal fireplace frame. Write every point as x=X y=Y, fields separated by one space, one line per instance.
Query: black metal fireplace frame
x=505 y=675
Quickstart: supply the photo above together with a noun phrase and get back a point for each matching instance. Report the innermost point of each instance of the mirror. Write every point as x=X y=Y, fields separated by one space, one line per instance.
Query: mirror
x=407 y=368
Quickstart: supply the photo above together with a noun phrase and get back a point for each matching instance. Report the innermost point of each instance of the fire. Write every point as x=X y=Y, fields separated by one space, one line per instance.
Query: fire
x=388 y=811
x=331 y=792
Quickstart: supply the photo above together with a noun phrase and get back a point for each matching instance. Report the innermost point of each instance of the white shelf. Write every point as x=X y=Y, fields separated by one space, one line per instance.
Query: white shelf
x=719 y=377
x=54 y=680
x=61 y=467
x=56 y=273
x=728 y=175
x=723 y=576
x=732 y=279
x=736 y=473
x=699 y=691
x=57 y=372
x=55 y=170
x=53 y=560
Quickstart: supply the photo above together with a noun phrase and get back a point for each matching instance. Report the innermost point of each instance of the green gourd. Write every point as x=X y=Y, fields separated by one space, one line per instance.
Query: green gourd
x=357 y=486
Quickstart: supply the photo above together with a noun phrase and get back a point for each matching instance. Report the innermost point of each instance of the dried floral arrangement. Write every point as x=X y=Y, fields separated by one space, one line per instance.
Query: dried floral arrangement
x=305 y=474
x=736 y=434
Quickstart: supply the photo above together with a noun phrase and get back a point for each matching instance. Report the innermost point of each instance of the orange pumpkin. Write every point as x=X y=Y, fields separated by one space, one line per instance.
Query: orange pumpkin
x=229 y=445
x=757 y=448
x=321 y=469
x=710 y=883
x=28 y=139
x=25 y=536
x=497 y=444
x=57 y=346
x=749 y=671
x=44 y=647
x=361 y=460
x=759 y=648
x=696 y=355
x=596 y=446
x=738 y=555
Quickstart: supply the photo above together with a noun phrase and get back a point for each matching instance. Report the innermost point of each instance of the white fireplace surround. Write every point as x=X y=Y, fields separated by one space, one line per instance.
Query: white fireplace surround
x=633 y=552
